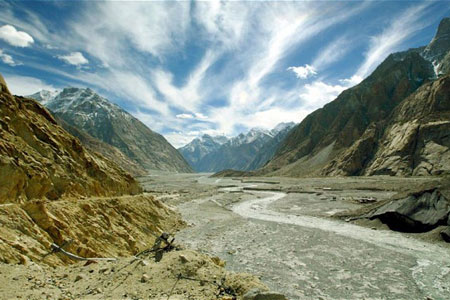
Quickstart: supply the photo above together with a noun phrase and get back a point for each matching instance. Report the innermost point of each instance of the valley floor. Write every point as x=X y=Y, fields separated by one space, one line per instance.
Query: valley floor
x=283 y=231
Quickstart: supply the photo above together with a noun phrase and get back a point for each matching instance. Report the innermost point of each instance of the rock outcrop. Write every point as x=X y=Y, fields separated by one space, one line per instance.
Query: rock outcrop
x=413 y=140
x=39 y=159
x=418 y=212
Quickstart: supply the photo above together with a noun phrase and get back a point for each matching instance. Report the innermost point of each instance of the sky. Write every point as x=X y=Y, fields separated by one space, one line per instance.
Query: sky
x=190 y=68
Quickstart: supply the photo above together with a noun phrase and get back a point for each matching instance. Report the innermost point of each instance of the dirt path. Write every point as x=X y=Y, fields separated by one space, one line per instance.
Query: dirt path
x=309 y=257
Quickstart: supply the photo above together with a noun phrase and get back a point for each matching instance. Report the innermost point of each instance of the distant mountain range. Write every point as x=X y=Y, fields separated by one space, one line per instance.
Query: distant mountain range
x=97 y=121
x=395 y=122
x=243 y=152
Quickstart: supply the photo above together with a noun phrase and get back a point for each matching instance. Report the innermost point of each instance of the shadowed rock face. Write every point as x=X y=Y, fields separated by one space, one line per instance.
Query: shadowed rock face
x=414 y=140
x=39 y=159
x=419 y=212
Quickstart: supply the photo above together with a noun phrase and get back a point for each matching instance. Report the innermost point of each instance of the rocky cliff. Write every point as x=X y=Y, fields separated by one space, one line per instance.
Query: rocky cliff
x=39 y=159
x=92 y=114
x=390 y=123
x=110 y=152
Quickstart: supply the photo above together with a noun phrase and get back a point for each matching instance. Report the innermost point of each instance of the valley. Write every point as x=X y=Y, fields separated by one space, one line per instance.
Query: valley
x=221 y=150
x=293 y=243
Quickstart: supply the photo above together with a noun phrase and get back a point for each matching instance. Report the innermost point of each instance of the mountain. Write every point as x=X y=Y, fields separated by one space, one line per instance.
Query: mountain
x=243 y=152
x=268 y=150
x=39 y=159
x=110 y=152
x=94 y=115
x=387 y=124
x=200 y=147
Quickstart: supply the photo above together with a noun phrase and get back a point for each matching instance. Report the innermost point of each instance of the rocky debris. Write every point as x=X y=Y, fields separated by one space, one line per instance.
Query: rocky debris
x=144 y=278
x=103 y=227
x=365 y=200
x=418 y=212
x=129 y=279
x=256 y=294
x=39 y=159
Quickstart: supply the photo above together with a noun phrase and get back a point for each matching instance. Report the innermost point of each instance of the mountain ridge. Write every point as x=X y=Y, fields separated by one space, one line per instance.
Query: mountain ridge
x=243 y=152
x=359 y=114
x=101 y=119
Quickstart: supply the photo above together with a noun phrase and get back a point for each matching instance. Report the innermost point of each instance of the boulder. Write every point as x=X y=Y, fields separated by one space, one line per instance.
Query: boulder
x=445 y=234
x=256 y=294
x=418 y=212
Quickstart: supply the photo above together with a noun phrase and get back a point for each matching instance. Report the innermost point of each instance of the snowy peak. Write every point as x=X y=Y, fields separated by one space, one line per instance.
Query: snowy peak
x=281 y=127
x=214 y=153
x=438 y=49
x=44 y=96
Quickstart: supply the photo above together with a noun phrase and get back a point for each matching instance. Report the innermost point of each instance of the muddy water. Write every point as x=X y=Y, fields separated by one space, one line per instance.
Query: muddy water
x=310 y=257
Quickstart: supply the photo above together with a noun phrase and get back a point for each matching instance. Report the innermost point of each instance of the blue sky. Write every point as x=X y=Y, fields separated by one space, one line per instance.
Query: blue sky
x=189 y=68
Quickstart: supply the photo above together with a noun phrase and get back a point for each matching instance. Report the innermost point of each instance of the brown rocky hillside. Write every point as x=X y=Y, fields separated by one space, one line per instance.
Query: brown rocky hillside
x=39 y=159
x=394 y=122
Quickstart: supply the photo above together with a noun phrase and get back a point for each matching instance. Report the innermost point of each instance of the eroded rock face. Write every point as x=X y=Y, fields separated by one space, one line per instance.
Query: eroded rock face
x=39 y=159
x=103 y=227
x=419 y=212
x=416 y=140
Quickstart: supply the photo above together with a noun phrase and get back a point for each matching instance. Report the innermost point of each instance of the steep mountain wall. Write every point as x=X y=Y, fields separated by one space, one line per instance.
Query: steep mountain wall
x=380 y=126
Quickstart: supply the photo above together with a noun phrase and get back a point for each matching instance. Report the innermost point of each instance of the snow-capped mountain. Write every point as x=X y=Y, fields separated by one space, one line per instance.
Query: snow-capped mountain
x=201 y=146
x=212 y=154
x=89 y=112
x=44 y=96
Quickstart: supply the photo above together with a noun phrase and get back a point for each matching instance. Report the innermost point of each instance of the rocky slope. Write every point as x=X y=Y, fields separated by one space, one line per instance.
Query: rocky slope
x=415 y=139
x=95 y=227
x=110 y=152
x=268 y=150
x=103 y=120
x=372 y=128
x=243 y=152
x=39 y=159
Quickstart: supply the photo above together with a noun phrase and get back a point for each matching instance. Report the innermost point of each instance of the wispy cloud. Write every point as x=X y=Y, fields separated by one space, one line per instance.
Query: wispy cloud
x=188 y=68
x=333 y=52
x=74 y=58
x=8 y=59
x=390 y=40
